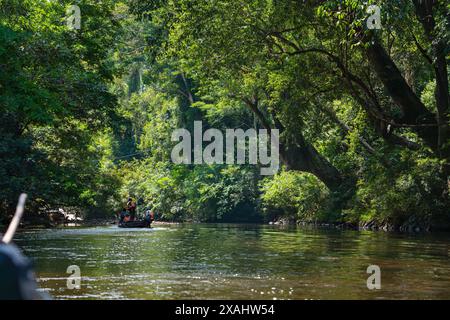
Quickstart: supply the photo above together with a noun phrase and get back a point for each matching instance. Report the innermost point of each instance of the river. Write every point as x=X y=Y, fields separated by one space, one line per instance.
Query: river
x=229 y=261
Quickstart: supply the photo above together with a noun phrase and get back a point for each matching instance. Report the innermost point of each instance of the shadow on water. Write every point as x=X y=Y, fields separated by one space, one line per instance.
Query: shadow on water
x=229 y=261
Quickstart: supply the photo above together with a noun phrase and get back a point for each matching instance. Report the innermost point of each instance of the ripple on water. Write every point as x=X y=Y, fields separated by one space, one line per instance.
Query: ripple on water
x=236 y=262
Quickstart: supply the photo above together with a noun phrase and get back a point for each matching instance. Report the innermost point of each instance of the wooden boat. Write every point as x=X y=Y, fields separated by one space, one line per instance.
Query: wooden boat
x=135 y=224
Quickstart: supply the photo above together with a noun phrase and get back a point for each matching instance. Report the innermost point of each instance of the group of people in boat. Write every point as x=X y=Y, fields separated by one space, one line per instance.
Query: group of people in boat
x=128 y=213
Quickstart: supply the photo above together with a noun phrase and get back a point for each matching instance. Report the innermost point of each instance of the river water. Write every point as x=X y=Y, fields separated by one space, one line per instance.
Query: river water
x=226 y=261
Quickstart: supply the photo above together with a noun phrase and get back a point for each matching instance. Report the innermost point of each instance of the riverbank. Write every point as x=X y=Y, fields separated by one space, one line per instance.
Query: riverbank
x=410 y=226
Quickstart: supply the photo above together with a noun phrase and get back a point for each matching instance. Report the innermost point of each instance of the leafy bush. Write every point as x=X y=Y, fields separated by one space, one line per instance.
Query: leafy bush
x=294 y=195
x=400 y=195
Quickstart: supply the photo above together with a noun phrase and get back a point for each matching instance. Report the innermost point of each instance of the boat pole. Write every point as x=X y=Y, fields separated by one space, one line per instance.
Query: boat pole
x=7 y=238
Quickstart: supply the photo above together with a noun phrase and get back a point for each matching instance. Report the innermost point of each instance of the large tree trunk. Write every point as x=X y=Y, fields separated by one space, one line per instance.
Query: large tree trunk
x=433 y=129
x=304 y=157
x=299 y=155
x=425 y=14
x=414 y=111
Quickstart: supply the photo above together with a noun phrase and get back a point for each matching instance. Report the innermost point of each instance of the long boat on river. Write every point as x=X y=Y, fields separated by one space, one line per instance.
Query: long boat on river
x=135 y=224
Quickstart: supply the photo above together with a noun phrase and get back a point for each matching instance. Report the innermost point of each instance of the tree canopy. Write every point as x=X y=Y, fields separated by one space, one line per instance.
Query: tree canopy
x=363 y=110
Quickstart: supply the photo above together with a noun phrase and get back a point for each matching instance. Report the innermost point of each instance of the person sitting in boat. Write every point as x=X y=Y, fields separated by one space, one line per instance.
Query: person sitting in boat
x=122 y=214
x=149 y=215
x=131 y=208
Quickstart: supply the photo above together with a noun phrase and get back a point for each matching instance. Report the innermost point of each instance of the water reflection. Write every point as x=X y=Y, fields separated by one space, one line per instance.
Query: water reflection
x=238 y=262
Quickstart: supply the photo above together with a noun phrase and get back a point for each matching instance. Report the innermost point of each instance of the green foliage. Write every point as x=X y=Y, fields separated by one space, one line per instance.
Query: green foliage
x=411 y=191
x=53 y=102
x=203 y=193
x=298 y=196
x=86 y=116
